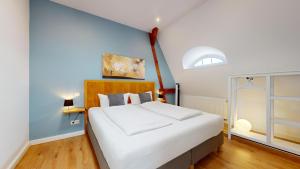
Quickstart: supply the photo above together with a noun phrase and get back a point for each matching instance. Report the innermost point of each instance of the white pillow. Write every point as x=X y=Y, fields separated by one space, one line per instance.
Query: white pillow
x=135 y=98
x=104 y=101
x=126 y=95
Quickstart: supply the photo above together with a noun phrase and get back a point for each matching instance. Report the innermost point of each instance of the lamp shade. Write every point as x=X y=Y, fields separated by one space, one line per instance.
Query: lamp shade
x=243 y=125
x=160 y=96
x=68 y=102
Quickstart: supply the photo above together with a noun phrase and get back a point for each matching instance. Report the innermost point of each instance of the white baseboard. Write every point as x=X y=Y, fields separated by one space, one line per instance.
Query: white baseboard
x=57 y=137
x=19 y=156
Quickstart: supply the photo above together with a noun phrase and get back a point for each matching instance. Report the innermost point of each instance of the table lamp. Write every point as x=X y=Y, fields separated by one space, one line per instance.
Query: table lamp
x=68 y=103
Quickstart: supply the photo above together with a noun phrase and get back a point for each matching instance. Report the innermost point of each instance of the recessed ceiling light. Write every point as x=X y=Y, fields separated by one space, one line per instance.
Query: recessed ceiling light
x=157 y=19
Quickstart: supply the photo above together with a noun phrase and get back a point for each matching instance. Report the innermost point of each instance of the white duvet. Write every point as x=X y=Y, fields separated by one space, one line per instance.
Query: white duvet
x=176 y=112
x=133 y=119
x=151 y=149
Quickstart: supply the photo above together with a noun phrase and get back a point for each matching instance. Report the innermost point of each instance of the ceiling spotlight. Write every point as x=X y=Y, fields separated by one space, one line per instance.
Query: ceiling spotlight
x=157 y=19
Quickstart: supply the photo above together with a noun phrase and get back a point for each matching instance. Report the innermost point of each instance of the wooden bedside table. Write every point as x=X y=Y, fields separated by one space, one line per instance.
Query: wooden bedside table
x=162 y=100
x=76 y=110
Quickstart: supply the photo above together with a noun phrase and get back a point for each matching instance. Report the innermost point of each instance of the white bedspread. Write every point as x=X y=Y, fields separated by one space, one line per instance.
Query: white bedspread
x=151 y=149
x=133 y=119
x=176 y=112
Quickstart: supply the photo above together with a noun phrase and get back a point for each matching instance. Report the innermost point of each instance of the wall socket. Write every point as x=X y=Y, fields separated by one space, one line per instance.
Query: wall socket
x=74 y=122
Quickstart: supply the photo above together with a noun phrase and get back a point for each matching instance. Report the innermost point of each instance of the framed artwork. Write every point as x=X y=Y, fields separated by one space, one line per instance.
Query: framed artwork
x=117 y=66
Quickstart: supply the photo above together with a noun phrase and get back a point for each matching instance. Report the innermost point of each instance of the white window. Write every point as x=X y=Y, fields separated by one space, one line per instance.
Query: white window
x=203 y=56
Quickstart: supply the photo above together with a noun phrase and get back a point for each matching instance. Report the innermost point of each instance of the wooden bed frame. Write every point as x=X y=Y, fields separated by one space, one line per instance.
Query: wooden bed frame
x=94 y=87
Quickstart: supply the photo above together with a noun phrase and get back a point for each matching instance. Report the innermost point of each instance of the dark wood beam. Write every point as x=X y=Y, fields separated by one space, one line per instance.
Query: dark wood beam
x=167 y=91
x=153 y=38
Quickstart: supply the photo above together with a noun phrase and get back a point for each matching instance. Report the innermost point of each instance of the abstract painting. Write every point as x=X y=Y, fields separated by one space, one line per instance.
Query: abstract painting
x=117 y=66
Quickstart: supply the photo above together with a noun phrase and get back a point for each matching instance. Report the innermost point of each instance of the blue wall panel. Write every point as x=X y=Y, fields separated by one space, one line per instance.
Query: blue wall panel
x=66 y=46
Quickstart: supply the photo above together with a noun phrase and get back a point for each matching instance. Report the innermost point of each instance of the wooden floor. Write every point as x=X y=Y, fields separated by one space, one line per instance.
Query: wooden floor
x=76 y=153
x=72 y=153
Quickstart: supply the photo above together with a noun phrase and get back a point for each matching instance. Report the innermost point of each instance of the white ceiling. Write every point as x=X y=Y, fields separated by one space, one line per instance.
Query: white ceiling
x=140 y=14
x=256 y=36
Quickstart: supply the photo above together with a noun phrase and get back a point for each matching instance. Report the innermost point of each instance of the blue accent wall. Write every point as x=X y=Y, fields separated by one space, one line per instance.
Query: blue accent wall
x=66 y=46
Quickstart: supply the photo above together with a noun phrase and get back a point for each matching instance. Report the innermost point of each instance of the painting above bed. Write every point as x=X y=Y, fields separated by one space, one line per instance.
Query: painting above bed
x=117 y=66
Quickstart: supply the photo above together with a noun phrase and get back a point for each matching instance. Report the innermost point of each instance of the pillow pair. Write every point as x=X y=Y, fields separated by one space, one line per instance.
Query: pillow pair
x=113 y=99
x=140 y=97
x=122 y=99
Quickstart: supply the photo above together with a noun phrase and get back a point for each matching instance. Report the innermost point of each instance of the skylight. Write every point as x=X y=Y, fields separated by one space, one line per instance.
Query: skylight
x=208 y=61
x=203 y=56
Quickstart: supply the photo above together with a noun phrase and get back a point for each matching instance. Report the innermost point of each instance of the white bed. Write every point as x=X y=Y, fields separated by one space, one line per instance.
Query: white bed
x=151 y=149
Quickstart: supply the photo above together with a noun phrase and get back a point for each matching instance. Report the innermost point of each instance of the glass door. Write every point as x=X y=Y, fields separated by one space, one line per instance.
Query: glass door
x=286 y=113
x=250 y=108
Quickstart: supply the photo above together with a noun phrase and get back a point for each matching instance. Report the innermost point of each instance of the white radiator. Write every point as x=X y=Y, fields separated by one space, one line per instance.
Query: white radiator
x=213 y=105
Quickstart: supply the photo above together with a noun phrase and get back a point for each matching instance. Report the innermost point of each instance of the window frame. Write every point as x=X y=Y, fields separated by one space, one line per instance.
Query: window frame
x=223 y=61
x=196 y=54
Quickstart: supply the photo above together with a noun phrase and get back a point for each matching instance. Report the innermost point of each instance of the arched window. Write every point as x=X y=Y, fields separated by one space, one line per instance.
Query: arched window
x=203 y=56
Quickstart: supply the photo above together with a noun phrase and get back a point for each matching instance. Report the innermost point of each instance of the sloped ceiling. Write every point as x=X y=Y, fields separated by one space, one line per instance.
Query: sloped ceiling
x=256 y=36
x=140 y=14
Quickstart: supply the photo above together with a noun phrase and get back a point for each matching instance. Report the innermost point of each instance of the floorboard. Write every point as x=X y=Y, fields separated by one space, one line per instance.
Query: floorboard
x=76 y=153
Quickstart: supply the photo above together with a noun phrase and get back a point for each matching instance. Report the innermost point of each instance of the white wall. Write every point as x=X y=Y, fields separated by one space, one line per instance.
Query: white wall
x=14 y=73
x=257 y=36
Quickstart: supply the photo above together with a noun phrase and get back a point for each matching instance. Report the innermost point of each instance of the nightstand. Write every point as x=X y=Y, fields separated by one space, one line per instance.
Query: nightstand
x=75 y=110
x=162 y=100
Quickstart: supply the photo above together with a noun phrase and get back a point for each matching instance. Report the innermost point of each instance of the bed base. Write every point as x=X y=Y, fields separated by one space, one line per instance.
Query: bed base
x=185 y=161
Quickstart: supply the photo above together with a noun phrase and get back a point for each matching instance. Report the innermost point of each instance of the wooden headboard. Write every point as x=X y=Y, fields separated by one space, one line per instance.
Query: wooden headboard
x=93 y=87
